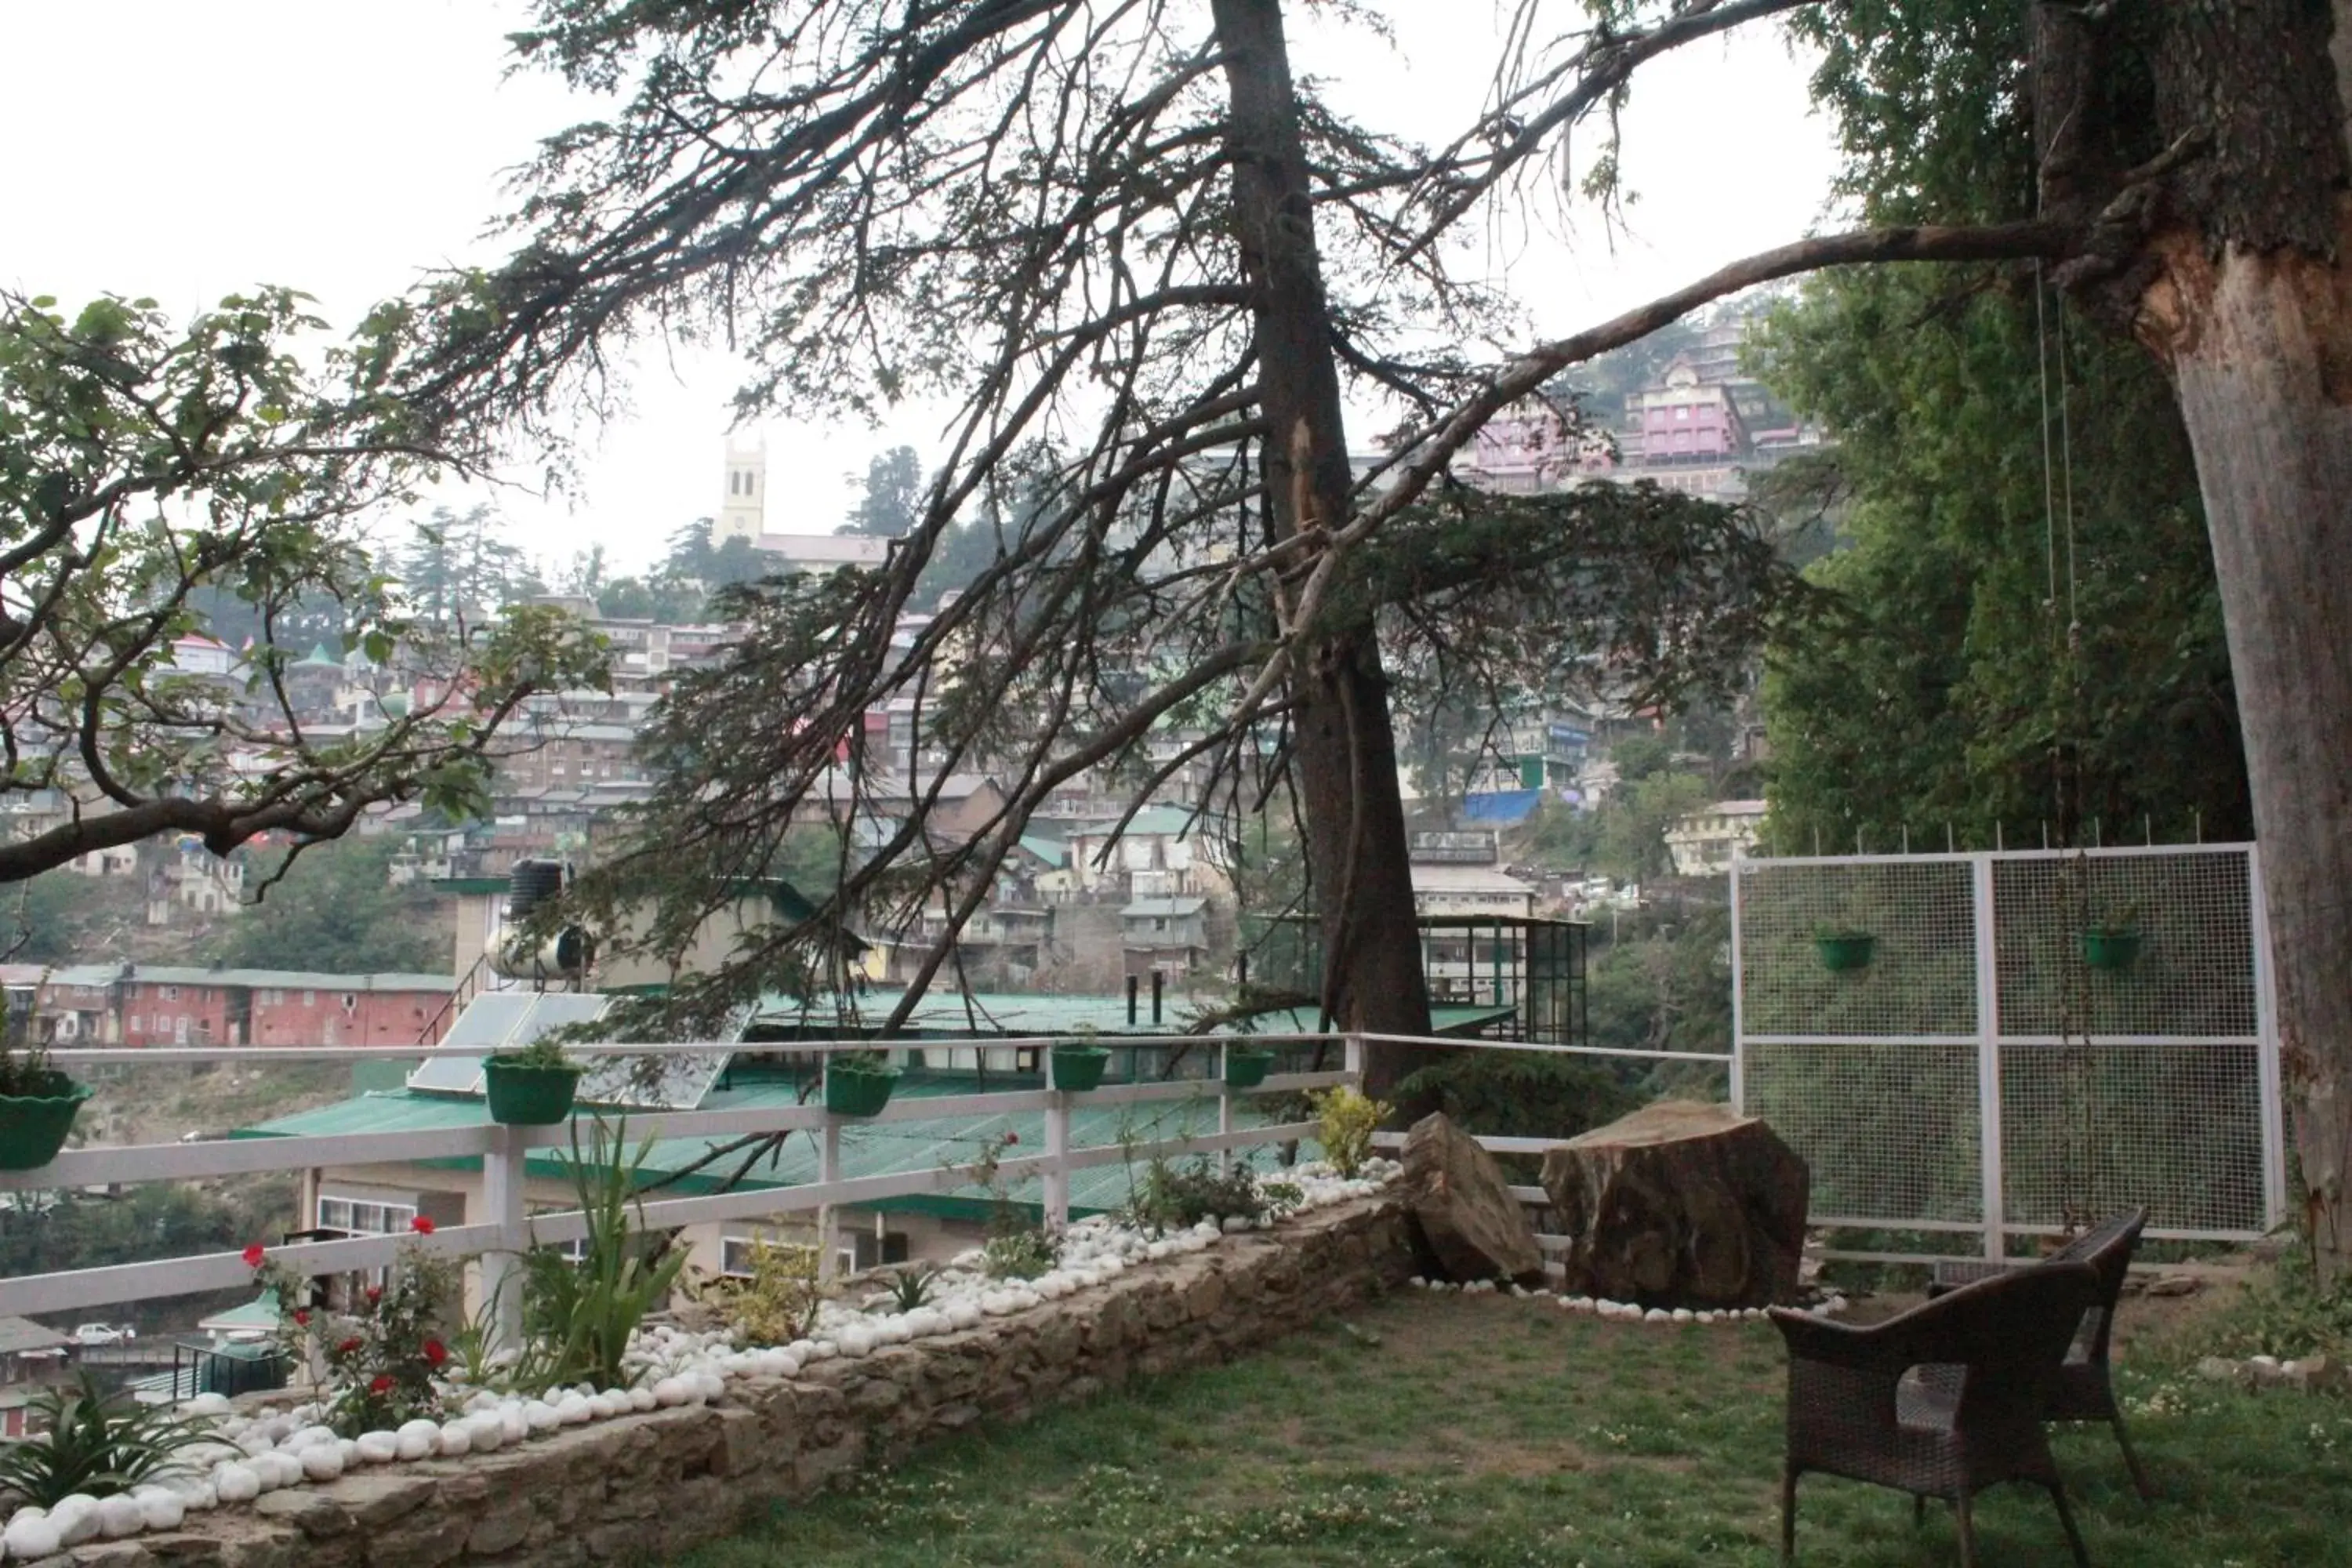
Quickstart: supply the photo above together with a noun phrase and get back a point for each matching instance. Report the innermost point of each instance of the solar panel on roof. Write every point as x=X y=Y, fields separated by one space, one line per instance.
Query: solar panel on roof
x=498 y=1021
x=664 y=1082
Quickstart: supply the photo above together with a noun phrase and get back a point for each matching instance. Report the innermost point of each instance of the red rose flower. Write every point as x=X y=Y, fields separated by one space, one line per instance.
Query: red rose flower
x=421 y=1226
x=349 y=1347
x=436 y=1352
x=374 y=1294
x=382 y=1384
x=302 y=1317
x=1010 y=1139
x=253 y=1255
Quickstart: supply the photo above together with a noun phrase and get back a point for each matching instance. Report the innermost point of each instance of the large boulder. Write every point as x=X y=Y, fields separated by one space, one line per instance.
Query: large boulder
x=1473 y=1227
x=1681 y=1205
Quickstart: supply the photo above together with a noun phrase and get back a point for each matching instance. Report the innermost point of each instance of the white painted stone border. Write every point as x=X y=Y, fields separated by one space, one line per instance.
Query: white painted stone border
x=1628 y=1311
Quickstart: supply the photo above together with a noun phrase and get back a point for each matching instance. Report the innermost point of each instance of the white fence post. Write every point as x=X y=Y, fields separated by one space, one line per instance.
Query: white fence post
x=1988 y=1140
x=1355 y=1060
x=2266 y=1045
x=1738 y=1035
x=1224 y=1089
x=502 y=1194
x=1057 y=1153
x=828 y=1215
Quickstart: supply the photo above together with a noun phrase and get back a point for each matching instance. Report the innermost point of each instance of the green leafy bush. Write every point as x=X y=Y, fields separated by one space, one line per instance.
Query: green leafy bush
x=776 y=1303
x=1346 y=1120
x=1170 y=1196
x=1017 y=1252
x=383 y=1359
x=95 y=1443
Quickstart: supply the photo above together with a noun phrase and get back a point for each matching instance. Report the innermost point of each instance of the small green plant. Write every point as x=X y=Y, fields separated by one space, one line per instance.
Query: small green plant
x=911 y=1287
x=1170 y=1197
x=1020 y=1252
x=1016 y=1247
x=95 y=1443
x=2115 y=919
x=776 y=1303
x=581 y=1313
x=26 y=1072
x=382 y=1361
x=545 y=1052
x=1346 y=1120
x=1839 y=930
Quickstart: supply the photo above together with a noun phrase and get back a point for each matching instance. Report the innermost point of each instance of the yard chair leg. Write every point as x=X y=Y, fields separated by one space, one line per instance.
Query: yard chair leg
x=2131 y=1459
x=1789 y=1515
x=1968 y=1529
x=2066 y=1518
x=1919 y=1509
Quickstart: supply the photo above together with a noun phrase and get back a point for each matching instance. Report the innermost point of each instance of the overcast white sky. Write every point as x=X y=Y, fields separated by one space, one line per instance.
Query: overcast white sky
x=184 y=150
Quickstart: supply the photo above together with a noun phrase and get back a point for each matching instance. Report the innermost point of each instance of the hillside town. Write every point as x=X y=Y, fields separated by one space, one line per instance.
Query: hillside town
x=827 y=782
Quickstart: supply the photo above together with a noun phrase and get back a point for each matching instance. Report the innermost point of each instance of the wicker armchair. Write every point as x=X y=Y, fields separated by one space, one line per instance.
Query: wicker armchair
x=1943 y=1401
x=2084 y=1390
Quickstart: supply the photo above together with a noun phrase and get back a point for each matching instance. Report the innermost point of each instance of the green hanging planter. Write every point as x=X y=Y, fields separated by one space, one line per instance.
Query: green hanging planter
x=33 y=1127
x=1846 y=950
x=1077 y=1069
x=2110 y=948
x=522 y=1096
x=859 y=1089
x=1246 y=1066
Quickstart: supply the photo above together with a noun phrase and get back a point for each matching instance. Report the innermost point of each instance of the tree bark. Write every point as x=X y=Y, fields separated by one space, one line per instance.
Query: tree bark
x=2261 y=350
x=2241 y=288
x=1346 y=746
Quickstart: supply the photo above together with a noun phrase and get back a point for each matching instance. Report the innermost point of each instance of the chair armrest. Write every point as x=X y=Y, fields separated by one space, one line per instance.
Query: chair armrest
x=1872 y=1349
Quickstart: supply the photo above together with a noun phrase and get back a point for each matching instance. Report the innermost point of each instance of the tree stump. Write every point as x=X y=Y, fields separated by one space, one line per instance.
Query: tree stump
x=1473 y=1227
x=1681 y=1205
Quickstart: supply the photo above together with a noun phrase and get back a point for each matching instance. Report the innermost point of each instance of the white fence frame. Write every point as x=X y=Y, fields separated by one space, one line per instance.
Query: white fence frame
x=1993 y=1227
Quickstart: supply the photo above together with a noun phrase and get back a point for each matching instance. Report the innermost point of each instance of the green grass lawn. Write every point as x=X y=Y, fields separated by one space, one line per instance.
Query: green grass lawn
x=1486 y=1430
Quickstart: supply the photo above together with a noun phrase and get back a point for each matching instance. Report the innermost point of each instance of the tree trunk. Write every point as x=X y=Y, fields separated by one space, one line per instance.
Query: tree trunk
x=2246 y=295
x=1356 y=846
x=2261 y=350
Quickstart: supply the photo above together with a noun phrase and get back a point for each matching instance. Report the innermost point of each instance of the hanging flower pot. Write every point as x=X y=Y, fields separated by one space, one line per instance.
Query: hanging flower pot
x=2113 y=949
x=856 y=1086
x=1840 y=951
x=523 y=1094
x=33 y=1125
x=1077 y=1069
x=1246 y=1066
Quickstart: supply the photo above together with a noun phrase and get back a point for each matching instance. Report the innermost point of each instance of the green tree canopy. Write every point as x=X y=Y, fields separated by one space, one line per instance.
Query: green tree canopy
x=147 y=470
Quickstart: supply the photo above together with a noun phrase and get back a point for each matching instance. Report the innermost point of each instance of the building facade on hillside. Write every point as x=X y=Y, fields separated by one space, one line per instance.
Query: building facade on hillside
x=147 y=1005
x=1704 y=843
x=1457 y=889
x=1166 y=935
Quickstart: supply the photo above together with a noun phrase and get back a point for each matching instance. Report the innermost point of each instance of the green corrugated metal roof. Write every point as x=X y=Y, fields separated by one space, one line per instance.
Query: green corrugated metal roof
x=1053 y=851
x=944 y=1014
x=867 y=1148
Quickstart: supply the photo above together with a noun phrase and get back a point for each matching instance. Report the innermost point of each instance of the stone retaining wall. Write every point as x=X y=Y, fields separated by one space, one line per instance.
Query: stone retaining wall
x=645 y=1488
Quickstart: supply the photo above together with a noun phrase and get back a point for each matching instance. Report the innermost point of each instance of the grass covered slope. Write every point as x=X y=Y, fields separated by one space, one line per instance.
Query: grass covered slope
x=1486 y=1430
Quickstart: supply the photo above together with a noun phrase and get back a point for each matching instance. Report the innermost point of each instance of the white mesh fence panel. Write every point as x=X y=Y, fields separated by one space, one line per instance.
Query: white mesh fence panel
x=2145 y=1078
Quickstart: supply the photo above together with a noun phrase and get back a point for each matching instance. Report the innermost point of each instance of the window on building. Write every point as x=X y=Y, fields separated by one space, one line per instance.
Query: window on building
x=309 y=998
x=1682 y=411
x=171 y=994
x=132 y=1024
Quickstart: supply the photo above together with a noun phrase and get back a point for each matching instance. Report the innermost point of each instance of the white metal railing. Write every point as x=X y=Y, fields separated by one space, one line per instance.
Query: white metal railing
x=509 y=1228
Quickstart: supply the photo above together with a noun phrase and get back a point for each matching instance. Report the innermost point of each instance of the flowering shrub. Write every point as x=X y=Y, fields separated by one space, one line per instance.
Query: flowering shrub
x=380 y=1363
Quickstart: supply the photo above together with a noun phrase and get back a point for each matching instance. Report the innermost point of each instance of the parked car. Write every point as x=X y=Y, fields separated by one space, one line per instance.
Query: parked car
x=103 y=1334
